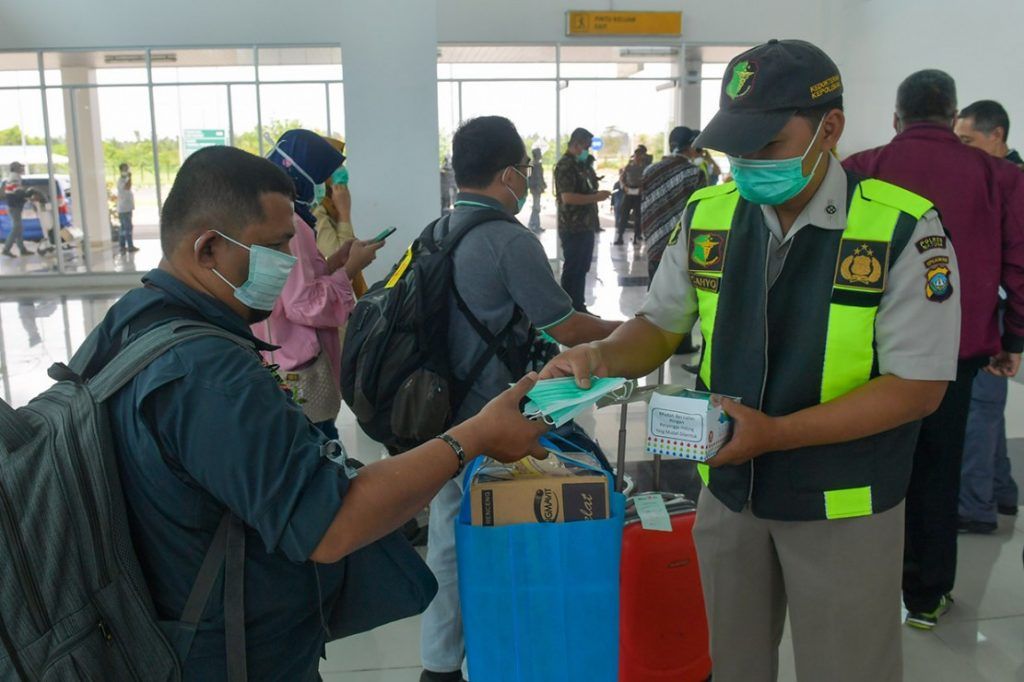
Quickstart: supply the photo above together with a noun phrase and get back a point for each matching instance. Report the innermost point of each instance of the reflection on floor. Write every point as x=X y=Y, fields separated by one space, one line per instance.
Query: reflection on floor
x=980 y=640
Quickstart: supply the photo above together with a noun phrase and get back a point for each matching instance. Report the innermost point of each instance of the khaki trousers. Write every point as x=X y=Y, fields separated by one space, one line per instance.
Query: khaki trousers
x=839 y=579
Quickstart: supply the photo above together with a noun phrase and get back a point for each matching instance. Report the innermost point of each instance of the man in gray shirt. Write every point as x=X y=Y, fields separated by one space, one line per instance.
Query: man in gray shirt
x=502 y=274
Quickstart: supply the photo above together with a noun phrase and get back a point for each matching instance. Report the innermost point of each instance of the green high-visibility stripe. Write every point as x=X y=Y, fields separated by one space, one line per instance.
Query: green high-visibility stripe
x=848 y=503
x=714 y=212
x=849 y=343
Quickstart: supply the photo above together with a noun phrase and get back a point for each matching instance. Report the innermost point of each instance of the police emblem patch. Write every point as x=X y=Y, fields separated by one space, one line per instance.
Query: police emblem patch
x=707 y=250
x=862 y=265
x=938 y=286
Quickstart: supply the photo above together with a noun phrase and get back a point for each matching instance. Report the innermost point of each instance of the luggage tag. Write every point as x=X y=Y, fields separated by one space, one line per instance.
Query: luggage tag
x=653 y=513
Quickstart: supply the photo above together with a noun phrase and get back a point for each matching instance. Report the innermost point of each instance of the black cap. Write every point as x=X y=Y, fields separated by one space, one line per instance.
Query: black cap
x=580 y=135
x=682 y=137
x=763 y=88
x=16 y=166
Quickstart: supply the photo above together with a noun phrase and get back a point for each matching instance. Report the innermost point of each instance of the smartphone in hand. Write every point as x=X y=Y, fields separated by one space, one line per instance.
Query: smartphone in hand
x=384 y=235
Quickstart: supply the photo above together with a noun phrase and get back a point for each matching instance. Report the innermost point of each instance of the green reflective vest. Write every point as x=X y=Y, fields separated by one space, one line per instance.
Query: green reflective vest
x=806 y=339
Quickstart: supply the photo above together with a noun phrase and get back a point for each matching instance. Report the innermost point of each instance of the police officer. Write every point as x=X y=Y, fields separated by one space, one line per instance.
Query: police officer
x=836 y=335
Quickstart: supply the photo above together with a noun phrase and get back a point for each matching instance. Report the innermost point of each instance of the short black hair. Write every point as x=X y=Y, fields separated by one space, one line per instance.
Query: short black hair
x=483 y=146
x=816 y=113
x=928 y=95
x=122 y=166
x=219 y=188
x=987 y=115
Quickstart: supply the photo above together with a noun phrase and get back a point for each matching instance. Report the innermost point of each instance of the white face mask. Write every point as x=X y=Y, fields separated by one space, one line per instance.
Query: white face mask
x=268 y=272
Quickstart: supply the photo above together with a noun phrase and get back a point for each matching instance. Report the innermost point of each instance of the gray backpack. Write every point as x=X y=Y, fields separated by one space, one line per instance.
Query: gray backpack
x=73 y=601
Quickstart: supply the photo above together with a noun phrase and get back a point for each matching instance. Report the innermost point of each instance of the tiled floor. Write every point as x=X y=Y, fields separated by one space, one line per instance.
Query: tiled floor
x=981 y=640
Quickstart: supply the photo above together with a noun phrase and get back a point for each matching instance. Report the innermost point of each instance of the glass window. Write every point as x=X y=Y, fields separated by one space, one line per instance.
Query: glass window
x=496 y=61
x=336 y=102
x=204 y=66
x=188 y=117
x=299 y=63
x=244 y=124
x=293 y=105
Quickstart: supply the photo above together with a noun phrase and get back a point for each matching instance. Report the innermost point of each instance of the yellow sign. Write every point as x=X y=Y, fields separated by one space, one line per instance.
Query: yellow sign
x=623 y=23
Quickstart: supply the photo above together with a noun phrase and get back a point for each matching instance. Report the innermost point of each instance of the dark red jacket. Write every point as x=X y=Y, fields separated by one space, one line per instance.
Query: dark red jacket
x=980 y=199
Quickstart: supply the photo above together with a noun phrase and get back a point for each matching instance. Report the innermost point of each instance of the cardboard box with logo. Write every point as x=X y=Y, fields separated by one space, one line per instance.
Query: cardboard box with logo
x=534 y=491
x=686 y=424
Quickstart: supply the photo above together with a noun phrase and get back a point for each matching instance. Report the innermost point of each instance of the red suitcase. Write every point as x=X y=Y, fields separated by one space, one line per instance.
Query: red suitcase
x=662 y=623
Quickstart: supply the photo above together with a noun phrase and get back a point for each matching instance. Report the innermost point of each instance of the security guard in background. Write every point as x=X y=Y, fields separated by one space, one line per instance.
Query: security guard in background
x=838 y=335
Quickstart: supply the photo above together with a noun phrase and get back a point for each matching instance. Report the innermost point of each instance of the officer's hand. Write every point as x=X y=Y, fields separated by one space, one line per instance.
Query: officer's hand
x=581 y=362
x=603 y=195
x=501 y=431
x=753 y=434
x=1004 y=365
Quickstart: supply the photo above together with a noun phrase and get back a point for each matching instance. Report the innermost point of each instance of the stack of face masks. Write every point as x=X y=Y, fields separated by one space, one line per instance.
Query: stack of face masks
x=557 y=401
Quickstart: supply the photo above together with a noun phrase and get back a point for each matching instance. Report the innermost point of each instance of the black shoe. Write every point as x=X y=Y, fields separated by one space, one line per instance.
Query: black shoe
x=133 y=249
x=10 y=254
x=617 y=242
x=429 y=676
x=976 y=527
x=1007 y=510
x=692 y=369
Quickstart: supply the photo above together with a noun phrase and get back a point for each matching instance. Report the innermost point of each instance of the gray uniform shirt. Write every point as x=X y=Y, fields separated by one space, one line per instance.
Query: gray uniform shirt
x=499 y=265
x=915 y=338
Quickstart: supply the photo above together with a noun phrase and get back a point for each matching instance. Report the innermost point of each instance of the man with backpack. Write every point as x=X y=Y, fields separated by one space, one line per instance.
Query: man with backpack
x=206 y=439
x=502 y=275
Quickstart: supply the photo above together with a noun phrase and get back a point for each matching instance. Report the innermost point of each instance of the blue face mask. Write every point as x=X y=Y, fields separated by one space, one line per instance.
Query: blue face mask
x=268 y=272
x=520 y=200
x=340 y=176
x=771 y=182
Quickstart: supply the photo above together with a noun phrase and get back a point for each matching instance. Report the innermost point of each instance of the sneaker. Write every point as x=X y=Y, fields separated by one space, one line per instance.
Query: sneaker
x=1007 y=509
x=976 y=527
x=928 y=621
x=692 y=369
x=133 y=249
x=10 y=254
x=617 y=242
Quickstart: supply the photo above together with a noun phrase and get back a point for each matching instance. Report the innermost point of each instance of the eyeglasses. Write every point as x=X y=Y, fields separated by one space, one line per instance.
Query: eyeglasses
x=528 y=169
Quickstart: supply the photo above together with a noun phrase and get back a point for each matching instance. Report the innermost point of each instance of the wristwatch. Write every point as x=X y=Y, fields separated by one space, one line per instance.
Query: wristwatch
x=459 y=452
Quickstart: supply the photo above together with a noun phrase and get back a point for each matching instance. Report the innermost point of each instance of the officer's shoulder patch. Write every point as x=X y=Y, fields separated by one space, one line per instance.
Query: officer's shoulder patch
x=712 y=191
x=938 y=285
x=894 y=197
x=862 y=264
x=707 y=250
x=929 y=243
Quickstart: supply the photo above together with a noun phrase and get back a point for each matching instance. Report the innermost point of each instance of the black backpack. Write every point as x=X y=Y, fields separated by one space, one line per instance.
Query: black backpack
x=395 y=369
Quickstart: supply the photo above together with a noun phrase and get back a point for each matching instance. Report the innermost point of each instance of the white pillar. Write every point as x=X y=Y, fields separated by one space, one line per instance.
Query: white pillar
x=391 y=120
x=691 y=94
x=88 y=175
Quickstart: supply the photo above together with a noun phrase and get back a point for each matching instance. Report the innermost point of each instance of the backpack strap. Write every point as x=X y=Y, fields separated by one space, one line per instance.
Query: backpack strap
x=228 y=546
x=227 y=550
x=138 y=354
x=495 y=343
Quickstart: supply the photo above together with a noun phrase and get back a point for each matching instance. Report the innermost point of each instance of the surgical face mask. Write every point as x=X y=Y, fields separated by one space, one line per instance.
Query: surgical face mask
x=583 y=155
x=556 y=401
x=340 y=176
x=771 y=182
x=520 y=200
x=268 y=272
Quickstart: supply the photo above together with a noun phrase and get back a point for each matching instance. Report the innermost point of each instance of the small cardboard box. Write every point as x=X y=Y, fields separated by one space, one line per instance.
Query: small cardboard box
x=539 y=499
x=686 y=425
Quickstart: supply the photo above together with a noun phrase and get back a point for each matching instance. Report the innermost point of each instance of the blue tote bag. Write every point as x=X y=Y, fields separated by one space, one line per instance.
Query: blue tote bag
x=540 y=601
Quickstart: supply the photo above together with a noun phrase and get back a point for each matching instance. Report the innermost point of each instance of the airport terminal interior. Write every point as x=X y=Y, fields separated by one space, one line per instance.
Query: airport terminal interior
x=94 y=86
